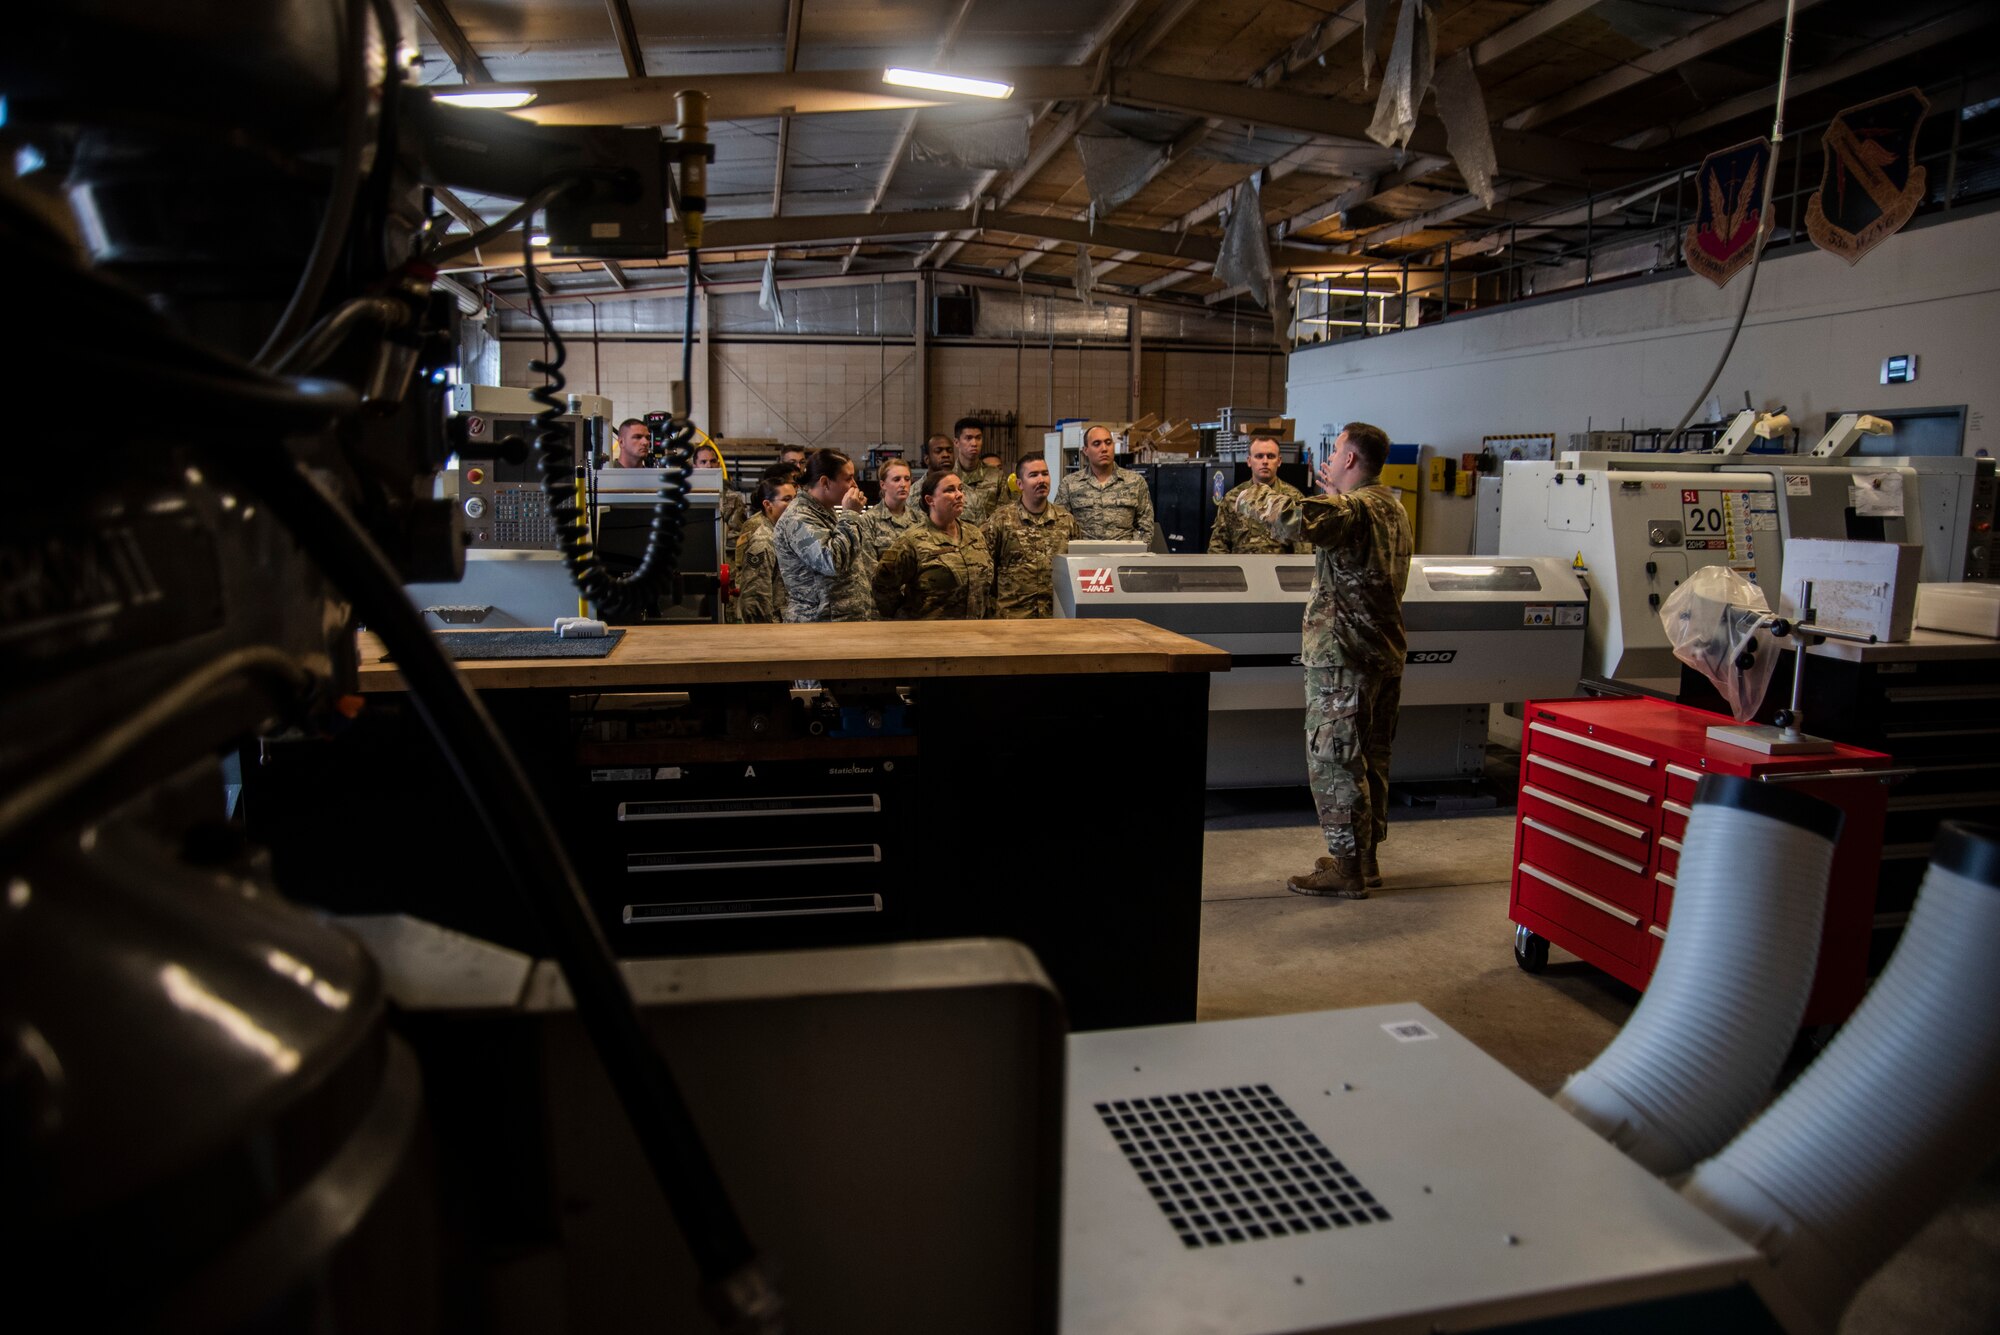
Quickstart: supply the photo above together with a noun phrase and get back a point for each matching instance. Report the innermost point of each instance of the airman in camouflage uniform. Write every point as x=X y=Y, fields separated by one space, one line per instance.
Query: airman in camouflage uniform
x=1353 y=647
x=940 y=570
x=759 y=587
x=1111 y=504
x=985 y=484
x=818 y=540
x=1026 y=536
x=881 y=526
x=1231 y=532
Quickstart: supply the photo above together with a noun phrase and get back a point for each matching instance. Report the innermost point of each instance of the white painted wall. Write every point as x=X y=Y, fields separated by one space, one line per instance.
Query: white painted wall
x=1814 y=340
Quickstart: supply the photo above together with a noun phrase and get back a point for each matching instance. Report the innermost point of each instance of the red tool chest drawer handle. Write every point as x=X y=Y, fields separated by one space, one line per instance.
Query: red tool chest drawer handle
x=1658 y=931
x=1637 y=868
x=1682 y=811
x=1683 y=772
x=1613 y=910
x=1636 y=757
x=1665 y=879
x=1585 y=776
x=1577 y=808
x=1674 y=844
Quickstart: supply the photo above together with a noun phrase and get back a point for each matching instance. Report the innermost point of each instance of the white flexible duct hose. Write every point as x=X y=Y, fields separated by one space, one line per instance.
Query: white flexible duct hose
x=1899 y=1111
x=1699 y=1054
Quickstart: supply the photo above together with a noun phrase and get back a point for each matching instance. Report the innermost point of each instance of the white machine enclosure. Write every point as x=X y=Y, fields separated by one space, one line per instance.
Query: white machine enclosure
x=1480 y=630
x=1639 y=534
x=1465 y=1198
x=1641 y=523
x=513 y=587
x=510 y=401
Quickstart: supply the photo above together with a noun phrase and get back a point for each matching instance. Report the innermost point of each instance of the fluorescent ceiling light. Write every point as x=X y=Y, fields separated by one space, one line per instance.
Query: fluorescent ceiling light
x=539 y=239
x=502 y=101
x=947 y=83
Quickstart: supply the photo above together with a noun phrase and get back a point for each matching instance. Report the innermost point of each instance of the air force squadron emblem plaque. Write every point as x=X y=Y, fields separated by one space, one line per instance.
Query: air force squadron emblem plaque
x=1730 y=212
x=1872 y=183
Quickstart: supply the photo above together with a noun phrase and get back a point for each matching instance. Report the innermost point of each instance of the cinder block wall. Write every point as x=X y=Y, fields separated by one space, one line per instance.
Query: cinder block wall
x=854 y=395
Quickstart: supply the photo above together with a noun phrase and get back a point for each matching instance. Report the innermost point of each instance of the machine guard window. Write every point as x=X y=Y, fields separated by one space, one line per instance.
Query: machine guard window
x=1182 y=579
x=1295 y=579
x=1482 y=579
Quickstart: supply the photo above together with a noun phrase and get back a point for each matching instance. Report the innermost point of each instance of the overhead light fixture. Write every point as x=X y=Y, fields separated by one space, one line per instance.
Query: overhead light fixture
x=488 y=101
x=539 y=239
x=946 y=83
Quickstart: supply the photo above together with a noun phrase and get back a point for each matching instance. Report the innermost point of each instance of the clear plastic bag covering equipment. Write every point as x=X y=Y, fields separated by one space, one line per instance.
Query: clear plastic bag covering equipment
x=1713 y=620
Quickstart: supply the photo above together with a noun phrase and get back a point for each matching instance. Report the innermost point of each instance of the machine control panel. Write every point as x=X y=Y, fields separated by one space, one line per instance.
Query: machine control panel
x=504 y=505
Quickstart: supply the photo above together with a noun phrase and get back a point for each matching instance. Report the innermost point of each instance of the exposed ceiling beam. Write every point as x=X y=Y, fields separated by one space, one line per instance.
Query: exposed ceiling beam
x=471 y=69
x=1451 y=209
x=1094 y=55
x=784 y=155
x=1302 y=50
x=1702 y=41
x=749 y=234
x=1924 y=36
x=458 y=209
x=951 y=31
x=627 y=33
x=1356 y=195
x=1538 y=22
x=469 y=301
x=794 y=12
x=760 y=96
x=1569 y=161
x=1165 y=281
x=1531 y=26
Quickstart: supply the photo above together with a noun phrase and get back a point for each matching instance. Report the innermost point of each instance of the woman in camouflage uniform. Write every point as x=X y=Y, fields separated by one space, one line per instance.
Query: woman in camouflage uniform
x=940 y=570
x=760 y=592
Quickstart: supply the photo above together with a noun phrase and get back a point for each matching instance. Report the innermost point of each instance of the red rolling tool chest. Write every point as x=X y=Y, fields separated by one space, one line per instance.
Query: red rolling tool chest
x=1605 y=792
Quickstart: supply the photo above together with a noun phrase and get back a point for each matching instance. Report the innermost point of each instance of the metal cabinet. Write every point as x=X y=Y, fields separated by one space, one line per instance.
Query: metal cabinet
x=1606 y=790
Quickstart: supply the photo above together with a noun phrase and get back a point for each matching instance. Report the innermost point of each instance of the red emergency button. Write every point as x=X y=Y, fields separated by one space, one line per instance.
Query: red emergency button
x=475 y=475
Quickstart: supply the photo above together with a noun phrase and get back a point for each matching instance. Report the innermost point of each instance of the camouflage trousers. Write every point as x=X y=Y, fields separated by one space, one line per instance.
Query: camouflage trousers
x=1350 y=723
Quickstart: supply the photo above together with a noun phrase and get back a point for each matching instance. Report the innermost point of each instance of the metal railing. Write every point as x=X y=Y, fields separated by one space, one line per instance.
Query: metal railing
x=1596 y=241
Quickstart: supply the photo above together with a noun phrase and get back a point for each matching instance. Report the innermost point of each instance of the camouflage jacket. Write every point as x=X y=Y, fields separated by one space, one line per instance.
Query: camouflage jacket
x=1361 y=564
x=879 y=531
x=817 y=547
x=760 y=588
x=925 y=576
x=1233 y=533
x=985 y=491
x=1116 y=511
x=735 y=515
x=1024 y=551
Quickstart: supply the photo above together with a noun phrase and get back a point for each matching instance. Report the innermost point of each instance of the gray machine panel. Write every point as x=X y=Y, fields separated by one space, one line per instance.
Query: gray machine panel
x=1480 y=629
x=1499 y=1206
x=1630 y=518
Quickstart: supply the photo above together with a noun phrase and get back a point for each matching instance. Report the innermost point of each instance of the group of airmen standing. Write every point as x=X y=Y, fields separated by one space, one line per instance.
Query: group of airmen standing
x=964 y=540
x=968 y=545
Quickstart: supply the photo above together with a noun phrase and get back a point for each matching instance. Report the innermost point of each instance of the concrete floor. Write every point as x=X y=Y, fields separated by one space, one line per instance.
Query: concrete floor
x=1437 y=934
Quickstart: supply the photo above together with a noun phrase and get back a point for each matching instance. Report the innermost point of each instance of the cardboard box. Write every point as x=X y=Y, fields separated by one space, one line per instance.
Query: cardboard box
x=1865 y=588
x=1962 y=609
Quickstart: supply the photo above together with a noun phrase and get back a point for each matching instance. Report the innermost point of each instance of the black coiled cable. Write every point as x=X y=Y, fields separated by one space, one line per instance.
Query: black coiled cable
x=609 y=592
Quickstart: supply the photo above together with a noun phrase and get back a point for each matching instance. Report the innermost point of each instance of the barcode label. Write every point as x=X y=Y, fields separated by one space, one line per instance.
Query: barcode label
x=1409 y=1031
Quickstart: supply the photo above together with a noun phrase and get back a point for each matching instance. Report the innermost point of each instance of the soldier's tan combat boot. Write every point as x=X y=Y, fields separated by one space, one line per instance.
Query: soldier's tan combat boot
x=1339 y=878
x=1371 y=874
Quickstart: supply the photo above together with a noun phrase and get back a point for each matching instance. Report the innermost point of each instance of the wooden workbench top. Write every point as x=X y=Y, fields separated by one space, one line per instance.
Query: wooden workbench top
x=675 y=656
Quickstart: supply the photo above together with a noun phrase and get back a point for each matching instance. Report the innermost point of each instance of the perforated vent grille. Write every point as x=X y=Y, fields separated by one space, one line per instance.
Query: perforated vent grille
x=1233 y=1165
